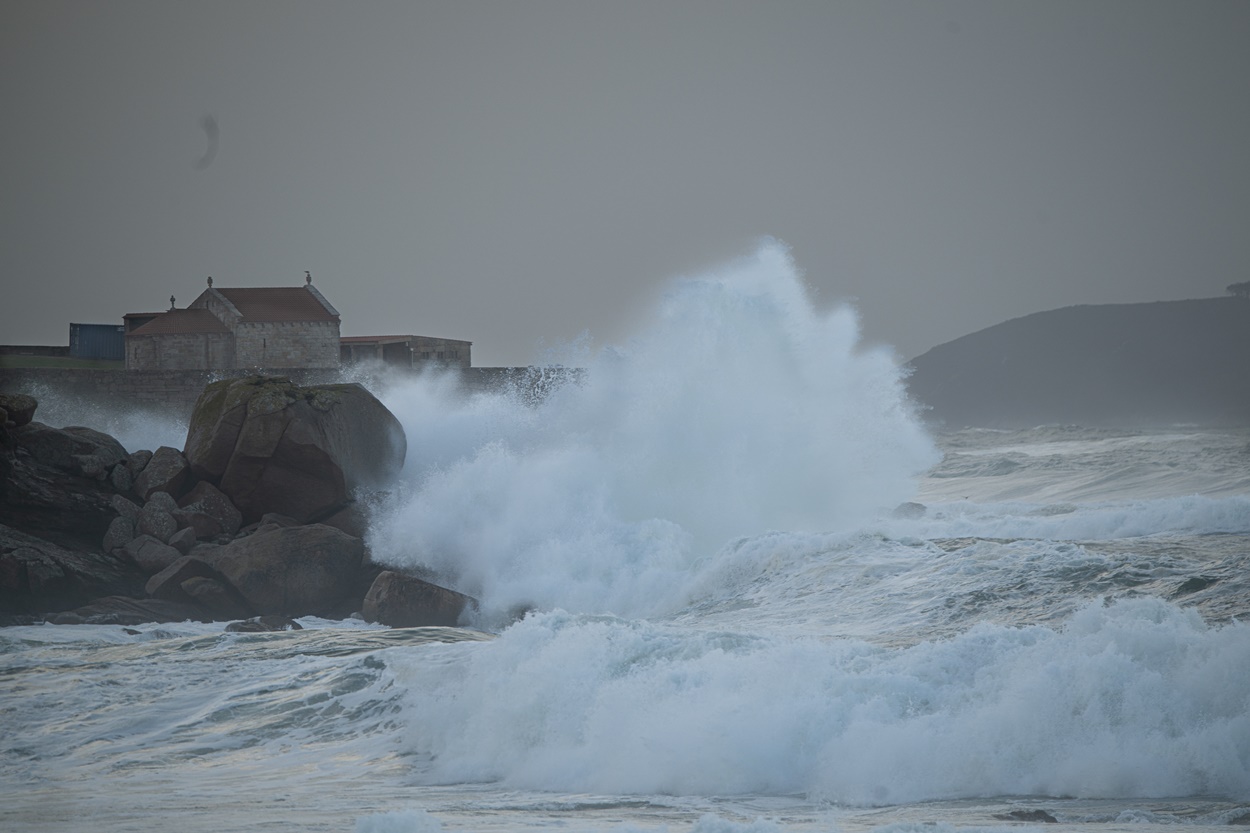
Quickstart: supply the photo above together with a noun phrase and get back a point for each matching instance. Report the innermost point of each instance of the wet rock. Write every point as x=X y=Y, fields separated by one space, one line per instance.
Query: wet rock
x=137 y=461
x=69 y=449
x=121 y=478
x=261 y=624
x=184 y=540
x=1028 y=815
x=125 y=508
x=120 y=533
x=167 y=471
x=150 y=554
x=1193 y=585
x=352 y=519
x=55 y=504
x=208 y=501
x=407 y=602
x=123 y=610
x=167 y=584
x=161 y=500
x=278 y=520
x=20 y=408
x=273 y=446
x=909 y=510
x=295 y=571
x=218 y=599
x=37 y=575
x=157 y=522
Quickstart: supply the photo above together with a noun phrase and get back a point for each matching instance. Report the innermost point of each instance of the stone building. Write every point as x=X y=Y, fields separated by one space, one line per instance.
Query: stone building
x=406 y=351
x=227 y=329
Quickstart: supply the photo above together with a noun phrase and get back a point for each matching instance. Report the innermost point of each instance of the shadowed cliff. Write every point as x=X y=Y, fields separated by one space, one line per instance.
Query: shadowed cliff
x=1123 y=364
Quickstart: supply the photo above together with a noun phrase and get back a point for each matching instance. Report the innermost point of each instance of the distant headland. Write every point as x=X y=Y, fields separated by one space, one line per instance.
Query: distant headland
x=1145 y=364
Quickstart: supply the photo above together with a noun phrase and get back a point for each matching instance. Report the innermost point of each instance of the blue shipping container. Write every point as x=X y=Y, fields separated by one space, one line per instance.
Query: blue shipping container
x=97 y=341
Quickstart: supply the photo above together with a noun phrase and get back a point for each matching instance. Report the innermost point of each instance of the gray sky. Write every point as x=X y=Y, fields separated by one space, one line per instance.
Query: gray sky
x=515 y=173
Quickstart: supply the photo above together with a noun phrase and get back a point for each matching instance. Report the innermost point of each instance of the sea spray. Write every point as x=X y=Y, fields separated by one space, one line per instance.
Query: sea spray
x=737 y=408
x=1135 y=699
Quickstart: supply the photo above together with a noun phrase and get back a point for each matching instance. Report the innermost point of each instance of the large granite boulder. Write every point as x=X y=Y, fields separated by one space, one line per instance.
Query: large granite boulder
x=82 y=451
x=166 y=471
x=208 y=511
x=272 y=446
x=408 y=602
x=292 y=571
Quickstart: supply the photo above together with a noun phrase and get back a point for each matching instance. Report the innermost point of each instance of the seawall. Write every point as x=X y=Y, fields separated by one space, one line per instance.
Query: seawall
x=174 y=392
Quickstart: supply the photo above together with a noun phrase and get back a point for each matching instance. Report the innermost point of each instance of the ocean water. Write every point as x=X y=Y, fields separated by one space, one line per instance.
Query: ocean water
x=728 y=583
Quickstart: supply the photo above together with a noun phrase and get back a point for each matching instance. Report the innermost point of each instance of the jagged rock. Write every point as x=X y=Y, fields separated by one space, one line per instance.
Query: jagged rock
x=57 y=505
x=167 y=584
x=150 y=555
x=272 y=446
x=184 y=540
x=72 y=449
x=166 y=472
x=218 y=513
x=157 y=522
x=407 y=602
x=1027 y=815
x=121 y=478
x=261 y=624
x=123 y=610
x=352 y=519
x=161 y=500
x=120 y=533
x=125 y=508
x=295 y=571
x=19 y=406
x=37 y=575
x=205 y=551
x=279 y=520
x=219 y=600
x=137 y=461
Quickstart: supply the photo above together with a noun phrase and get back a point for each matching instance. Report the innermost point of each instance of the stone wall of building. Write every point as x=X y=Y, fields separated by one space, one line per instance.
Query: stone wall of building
x=222 y=309
x=181 y=351
x=172 y=392
x=445 y=351
x=313 y=344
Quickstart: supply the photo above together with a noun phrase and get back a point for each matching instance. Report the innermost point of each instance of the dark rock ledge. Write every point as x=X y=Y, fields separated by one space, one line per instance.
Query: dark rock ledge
x=254 y=520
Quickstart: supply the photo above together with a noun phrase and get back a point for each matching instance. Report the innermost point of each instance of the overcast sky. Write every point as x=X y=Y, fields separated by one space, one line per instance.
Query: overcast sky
x=516 y=173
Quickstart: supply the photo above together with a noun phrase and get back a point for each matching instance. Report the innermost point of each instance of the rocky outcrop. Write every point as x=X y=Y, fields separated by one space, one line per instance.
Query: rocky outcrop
x=124 y=610
x=37 y=575
x=167 y=471
x=208 y=511
x=292 y=571
x=1109 y=364
x=406 y=602
x=49 y=485
x=18 y=407
x=91 y=534
x=272 y=446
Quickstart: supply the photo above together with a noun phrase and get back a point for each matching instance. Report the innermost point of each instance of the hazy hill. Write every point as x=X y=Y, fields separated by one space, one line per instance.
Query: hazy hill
x=1122 y=364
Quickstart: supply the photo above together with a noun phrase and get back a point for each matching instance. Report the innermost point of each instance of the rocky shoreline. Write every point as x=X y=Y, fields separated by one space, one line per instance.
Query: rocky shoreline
x=258 y=520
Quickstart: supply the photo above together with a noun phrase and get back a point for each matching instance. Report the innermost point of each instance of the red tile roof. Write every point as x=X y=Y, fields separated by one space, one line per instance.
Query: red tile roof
x=278 y=303
x=181 y=321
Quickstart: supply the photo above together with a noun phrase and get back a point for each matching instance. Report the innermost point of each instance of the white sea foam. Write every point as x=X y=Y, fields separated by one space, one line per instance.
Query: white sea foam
x=1191 y=514
x=737 y=409
x=1135 y=699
